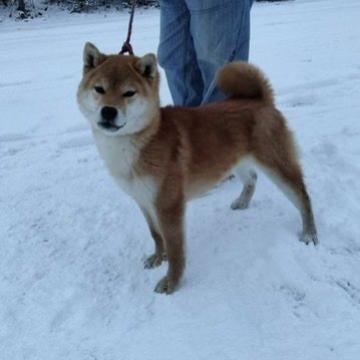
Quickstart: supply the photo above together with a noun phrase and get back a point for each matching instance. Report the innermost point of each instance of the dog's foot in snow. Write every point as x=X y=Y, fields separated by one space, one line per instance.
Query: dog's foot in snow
x=240 y=203
x=154 y=260
x=309 y=237
x=165 y=286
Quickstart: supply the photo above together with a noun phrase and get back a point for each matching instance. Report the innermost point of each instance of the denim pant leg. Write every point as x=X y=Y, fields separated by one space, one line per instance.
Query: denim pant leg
x=221 y=33
x=176 y=54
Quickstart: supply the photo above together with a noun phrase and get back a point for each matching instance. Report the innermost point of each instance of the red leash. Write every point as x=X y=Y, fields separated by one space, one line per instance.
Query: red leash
x=127 y=48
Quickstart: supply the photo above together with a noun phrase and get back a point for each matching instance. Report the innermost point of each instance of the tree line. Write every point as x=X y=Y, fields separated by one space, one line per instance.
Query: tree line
x=26 y=7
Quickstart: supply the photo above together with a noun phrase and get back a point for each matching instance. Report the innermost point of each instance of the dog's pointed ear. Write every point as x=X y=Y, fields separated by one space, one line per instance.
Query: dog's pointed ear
x=147 y=66
x=92 y=57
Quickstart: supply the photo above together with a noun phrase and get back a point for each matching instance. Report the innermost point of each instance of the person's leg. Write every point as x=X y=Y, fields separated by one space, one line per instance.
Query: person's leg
x=221 y=33
x=176 y=54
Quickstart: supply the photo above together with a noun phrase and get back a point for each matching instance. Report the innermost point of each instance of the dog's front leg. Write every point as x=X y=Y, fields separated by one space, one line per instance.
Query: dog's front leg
x=159 y=255
x=171 y=222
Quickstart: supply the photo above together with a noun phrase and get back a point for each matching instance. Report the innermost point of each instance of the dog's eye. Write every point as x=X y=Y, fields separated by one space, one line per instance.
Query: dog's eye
x=129 y=93
x=99 y=89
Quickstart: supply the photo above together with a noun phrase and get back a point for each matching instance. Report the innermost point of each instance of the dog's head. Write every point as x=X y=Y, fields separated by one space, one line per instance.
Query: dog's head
x=118 y=94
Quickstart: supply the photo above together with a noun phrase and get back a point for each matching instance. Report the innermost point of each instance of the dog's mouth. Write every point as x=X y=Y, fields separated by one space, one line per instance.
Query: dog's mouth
x=109 y=126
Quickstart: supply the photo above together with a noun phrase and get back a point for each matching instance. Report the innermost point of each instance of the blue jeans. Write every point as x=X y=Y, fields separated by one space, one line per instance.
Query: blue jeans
x=196 y=38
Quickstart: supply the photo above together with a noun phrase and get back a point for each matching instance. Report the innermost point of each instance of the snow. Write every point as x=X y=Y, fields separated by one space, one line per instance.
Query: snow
x=72 y=283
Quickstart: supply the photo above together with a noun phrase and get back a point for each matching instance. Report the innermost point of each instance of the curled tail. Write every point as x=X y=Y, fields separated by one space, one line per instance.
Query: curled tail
x=243 y=80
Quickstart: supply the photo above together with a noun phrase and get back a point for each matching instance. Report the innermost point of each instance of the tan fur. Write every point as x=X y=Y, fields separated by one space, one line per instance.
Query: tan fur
x=244 y=81
x=181 y=152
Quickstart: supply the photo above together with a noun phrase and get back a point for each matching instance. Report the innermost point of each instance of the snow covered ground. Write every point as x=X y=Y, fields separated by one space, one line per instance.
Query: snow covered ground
x=72 y=284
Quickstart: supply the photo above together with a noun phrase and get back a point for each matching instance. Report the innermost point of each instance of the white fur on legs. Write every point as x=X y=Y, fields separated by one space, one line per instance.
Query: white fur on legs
x=248 y=177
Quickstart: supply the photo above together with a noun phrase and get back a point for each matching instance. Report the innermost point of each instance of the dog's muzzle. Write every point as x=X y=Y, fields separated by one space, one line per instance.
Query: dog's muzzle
x=108 y=117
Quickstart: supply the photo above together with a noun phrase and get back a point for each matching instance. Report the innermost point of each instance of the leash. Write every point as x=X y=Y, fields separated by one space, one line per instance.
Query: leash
x=127 y=48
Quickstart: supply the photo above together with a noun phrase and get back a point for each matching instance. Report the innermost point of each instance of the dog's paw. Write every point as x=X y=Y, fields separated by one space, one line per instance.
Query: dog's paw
x=240 y=204
x=154 y=260
x=309 y=237
x=165 y=286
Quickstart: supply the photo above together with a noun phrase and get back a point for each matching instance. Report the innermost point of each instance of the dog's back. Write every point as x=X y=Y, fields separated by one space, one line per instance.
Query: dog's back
x=209 y=141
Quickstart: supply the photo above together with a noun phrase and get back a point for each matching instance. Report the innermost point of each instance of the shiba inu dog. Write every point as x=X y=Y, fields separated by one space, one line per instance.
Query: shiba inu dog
x=163 y=157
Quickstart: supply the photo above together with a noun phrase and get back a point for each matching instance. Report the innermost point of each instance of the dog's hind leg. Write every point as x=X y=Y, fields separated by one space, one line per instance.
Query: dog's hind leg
x=279 y=161
x=293 y=187
x=248 y=177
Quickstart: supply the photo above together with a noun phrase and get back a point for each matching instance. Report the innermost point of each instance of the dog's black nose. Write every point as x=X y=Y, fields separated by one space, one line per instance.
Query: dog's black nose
x=108 y=113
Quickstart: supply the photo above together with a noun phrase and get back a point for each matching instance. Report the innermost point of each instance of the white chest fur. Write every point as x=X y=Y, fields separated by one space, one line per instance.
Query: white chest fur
x=118 y=152
x=120 y=155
